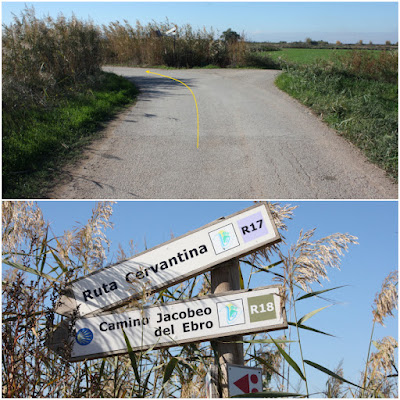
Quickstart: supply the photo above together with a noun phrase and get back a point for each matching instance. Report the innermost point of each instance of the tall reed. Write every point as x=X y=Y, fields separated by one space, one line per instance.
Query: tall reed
x=43 y=56
x=146 y=45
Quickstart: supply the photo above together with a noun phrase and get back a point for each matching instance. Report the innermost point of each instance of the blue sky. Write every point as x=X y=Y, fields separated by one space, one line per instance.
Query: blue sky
x=260 y=21
x=363 y=269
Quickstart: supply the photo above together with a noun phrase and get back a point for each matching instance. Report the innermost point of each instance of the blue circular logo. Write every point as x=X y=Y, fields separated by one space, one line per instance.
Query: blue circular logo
x=84 y=336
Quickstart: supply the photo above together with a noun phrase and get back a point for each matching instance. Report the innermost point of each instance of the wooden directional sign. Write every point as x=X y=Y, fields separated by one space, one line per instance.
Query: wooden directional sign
x=200 y=319
x=171 y=262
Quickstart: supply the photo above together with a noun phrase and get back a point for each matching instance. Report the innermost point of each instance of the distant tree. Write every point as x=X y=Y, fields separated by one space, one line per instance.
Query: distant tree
x=309 y=42
x=370 y=42
x=338 y=42
x=230 y=36
x=388 y=43
x=360 y=42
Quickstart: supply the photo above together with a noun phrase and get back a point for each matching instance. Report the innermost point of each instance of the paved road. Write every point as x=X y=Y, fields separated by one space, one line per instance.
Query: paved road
x=255 y=142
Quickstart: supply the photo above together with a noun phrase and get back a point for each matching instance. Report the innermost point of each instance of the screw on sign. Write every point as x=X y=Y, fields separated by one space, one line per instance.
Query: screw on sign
x=244 y=380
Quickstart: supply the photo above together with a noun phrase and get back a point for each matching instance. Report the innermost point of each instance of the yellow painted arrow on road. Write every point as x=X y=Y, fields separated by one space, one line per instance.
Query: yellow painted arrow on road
x=195 y=101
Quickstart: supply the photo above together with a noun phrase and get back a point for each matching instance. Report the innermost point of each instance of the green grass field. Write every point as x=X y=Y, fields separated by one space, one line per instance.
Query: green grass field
x=37 y=142
x=361 y=108
x=307 y=56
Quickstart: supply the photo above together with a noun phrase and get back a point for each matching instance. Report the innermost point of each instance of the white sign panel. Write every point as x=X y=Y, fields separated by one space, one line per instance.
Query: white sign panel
x=243 y=380
x=200 y=319
x=171 y=262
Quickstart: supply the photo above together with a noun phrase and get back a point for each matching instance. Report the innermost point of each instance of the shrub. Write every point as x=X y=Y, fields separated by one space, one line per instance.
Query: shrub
x=368 y=65
x=258 y=47
x=42 y=57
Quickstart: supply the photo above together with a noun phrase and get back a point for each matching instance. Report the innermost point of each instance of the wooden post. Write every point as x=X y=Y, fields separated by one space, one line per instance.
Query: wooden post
x=224 y=278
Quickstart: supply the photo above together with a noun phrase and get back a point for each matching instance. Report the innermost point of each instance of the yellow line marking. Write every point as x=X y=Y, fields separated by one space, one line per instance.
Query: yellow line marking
x=195 y=101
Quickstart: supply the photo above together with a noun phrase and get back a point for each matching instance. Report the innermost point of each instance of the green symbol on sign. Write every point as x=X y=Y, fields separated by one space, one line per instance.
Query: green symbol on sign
x=225 y=238
x=261 y=308
x=232 y=312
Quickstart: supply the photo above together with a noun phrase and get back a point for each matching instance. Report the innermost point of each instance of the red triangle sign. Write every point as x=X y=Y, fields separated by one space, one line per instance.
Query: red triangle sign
x=243 y=384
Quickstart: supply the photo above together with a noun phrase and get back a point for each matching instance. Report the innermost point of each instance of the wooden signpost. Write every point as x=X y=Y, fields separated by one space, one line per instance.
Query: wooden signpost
x=226 y=278
x=173 y=324
x=222 y=317
x=170 y=263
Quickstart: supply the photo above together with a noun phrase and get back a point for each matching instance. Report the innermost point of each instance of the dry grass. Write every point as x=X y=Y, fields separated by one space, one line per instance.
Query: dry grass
x=368 y=65
x=334 y=386
x=378 y=379
x=140 y=45
x=375 y=378
x=384 y=358
x=22 y=222
x=307 y=261
x=386 y=300
x=42 y=57
x=30 y=369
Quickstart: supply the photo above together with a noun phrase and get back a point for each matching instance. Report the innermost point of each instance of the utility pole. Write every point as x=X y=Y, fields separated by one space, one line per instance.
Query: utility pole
x=224 y=278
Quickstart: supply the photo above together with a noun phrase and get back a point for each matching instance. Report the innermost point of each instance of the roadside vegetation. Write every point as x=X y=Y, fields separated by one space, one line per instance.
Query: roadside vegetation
x=55 y=95
x=38 y=265
x=36 y=143
x=139 y=45
x=356 y=94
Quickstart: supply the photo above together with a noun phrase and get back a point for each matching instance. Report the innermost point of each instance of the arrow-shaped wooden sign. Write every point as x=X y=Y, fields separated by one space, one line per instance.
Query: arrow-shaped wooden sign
x=172 y=324
x=171 y=262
